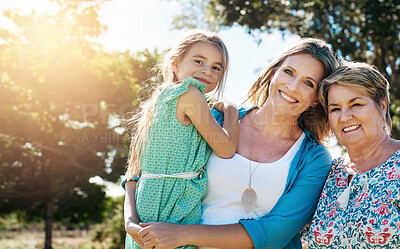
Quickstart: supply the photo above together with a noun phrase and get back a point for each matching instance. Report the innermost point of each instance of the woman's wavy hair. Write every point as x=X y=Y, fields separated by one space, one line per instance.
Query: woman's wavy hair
x=313 y=118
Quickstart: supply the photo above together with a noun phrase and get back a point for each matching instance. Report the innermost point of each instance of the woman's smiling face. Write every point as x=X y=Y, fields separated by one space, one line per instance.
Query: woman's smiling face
x=355 y=118
x=293 y=87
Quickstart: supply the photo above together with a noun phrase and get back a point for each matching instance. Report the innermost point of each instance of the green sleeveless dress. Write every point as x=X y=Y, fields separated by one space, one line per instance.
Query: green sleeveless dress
x=171 y=148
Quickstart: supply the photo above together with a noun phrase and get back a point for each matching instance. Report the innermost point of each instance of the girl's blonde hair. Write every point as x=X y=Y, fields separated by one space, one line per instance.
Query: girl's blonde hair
x=362 y=77
x=313 y=118
x=141 y=121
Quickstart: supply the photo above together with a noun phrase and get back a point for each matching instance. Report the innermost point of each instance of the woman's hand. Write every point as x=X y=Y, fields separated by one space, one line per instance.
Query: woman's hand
x=133 y=228
x=161 y=235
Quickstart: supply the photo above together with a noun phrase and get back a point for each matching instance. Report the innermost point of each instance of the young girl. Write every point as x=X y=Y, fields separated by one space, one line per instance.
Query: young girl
x=175 y=133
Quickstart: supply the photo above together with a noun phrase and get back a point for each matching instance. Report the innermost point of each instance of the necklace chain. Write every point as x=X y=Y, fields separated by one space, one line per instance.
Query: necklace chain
x=252 y=173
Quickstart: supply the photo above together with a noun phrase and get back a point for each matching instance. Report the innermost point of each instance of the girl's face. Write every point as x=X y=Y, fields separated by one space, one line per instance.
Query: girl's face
x=354 y=117
x=293 y=87
x=204 y=62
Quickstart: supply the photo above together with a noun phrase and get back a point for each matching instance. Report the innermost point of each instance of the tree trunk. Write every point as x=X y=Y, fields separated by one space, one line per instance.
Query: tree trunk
x=48 y=224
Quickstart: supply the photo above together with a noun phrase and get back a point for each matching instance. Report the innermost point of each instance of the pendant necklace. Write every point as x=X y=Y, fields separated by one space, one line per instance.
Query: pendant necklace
x=249 y=195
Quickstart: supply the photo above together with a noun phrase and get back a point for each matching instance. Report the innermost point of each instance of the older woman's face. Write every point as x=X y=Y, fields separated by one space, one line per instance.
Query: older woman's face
x=355 y=119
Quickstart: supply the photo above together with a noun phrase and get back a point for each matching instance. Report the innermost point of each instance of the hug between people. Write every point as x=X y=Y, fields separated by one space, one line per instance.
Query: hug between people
x=210 y=175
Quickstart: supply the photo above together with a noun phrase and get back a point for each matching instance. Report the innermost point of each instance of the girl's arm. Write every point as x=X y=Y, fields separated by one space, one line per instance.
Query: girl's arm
x=131 y=218
x=223 y=140
x=167 y=235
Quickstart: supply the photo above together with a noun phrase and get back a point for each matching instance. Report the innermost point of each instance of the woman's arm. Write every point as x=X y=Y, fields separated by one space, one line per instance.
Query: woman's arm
x=167 y=235
x=223 y=140
x=131 y=218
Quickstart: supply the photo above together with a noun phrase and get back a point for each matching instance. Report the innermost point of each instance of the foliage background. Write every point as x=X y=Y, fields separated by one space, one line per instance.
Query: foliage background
x=63 y=97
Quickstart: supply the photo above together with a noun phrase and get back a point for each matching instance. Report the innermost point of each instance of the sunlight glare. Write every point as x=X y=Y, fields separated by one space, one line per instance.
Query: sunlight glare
x=27 y=5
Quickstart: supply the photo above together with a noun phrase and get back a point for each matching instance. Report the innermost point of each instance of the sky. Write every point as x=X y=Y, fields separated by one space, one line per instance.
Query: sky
x=135 y=25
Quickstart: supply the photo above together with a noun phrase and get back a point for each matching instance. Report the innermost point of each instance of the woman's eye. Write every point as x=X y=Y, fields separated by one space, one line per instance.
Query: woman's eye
x=309 y=83
x=334 y=109
x=356 y=104
x=288 y=71
x=216 y=68
x=198 y=62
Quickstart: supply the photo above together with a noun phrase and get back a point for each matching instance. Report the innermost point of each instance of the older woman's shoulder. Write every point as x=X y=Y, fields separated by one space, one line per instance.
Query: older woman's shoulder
x=338 y=163
x=394 y=160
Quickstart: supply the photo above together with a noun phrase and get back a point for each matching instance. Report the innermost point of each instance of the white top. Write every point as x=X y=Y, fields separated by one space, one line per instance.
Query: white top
x=228 y=178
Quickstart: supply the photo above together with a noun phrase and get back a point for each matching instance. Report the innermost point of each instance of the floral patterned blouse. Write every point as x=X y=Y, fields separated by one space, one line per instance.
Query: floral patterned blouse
x=370 y=219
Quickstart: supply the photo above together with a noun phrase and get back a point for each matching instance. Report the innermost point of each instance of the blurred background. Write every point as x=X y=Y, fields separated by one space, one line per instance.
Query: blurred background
x=71 y=72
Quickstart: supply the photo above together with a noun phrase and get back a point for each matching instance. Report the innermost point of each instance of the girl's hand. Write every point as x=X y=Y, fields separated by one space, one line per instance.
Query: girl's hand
x=161 y=235
x=222 y=106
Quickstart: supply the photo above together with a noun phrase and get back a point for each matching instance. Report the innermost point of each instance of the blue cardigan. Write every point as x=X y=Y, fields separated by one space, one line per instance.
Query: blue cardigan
x=295 y=208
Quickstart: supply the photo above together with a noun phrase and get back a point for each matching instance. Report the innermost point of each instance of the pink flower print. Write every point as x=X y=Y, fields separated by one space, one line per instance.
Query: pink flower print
x=323 y=239
x=385 y=222
x=383 y=208
x=393 y=174
x=341 y=228
x=363 y=196
x=371 y=222
x=359 y=224
x=330 y=224
x=332 y=213
x=341 y=182
x=377 y=238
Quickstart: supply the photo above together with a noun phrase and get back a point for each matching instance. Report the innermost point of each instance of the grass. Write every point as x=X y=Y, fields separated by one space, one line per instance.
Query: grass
x=33 y=238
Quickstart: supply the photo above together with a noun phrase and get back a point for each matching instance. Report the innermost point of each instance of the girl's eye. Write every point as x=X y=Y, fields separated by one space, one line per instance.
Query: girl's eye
x=288 y=71
x=217 y=68
x=356 y=104
x=309 y=83
x=198 y=62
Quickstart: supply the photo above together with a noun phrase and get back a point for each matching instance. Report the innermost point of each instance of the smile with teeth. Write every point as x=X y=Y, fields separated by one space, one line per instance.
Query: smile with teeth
x=287 y=97
x=351 y=128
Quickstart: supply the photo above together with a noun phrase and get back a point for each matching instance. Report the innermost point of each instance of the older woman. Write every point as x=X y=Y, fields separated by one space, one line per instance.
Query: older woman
x=359 y=206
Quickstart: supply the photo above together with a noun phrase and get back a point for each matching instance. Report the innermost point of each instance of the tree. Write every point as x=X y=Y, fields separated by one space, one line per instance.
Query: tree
x=361 y=30
x=62 y=99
